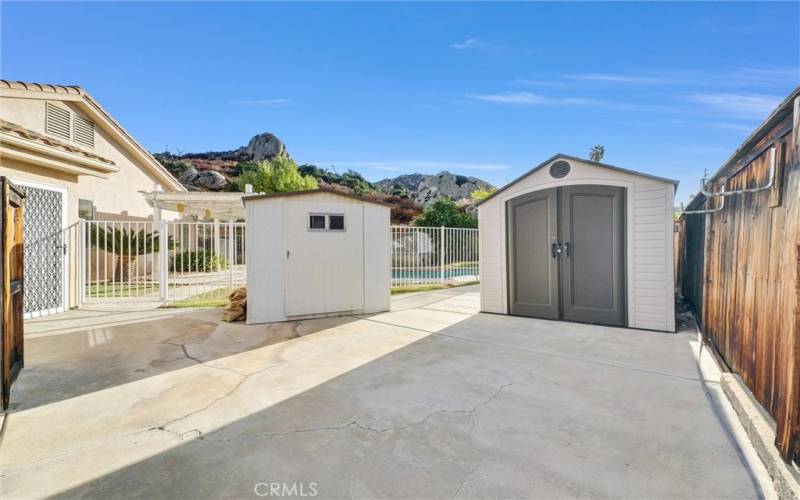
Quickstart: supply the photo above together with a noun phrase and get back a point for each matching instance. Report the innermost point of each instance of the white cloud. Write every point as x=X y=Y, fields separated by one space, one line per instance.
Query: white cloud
x=734 y=126
x=751 y=105
x=477 y=44
x=529 y=98
x=262 y=102
x=615 y=78
x=537 y=83
x=469 y=42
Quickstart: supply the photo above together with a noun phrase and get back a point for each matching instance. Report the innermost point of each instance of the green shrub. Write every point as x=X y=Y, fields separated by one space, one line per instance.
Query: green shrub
x=201 y=261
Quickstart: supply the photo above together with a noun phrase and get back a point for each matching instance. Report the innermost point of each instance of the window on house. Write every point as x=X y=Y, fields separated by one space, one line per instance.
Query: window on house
x=326 y=222
x=86 y=209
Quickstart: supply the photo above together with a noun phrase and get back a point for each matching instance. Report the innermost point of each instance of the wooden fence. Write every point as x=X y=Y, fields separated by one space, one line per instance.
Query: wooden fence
x=741 y=270
x=11 y=287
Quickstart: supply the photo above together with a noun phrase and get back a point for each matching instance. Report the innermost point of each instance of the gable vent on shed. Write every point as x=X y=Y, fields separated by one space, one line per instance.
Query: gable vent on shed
x=56 y=121
x=559 y=169
x=84 y=131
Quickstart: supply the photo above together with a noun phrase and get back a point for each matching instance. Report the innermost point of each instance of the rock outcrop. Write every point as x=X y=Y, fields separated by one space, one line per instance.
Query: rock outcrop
x=425 y=189
x=215 y=170
x=265 y=147
x=210 y=180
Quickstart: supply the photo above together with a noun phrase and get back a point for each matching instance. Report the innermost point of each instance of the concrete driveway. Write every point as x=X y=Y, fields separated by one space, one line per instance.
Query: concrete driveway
x=431 y=400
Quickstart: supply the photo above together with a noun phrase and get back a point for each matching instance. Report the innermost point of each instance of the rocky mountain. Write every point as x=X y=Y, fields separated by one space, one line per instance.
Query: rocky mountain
x=425 y=189
x=217 y=171
x=214 y=170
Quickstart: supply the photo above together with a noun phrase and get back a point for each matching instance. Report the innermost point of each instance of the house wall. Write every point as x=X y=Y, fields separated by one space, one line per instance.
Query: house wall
x=116 y=197
x=266 y=239
x=649 y=245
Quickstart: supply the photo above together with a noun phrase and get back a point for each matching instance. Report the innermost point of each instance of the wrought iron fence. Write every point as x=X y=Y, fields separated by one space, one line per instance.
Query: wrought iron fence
x=197 y=261
x=433 y=255
x=167 y=261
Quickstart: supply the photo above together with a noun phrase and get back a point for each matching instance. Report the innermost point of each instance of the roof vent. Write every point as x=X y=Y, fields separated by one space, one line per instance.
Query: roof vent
x=84 y=131
x=56 y=121
x=559 y=169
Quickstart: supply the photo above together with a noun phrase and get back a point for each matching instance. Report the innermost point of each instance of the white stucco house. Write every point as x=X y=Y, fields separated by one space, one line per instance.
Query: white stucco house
x=73 y=160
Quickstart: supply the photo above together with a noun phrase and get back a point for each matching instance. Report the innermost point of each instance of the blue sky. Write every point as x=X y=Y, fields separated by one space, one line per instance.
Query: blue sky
x=479 y=89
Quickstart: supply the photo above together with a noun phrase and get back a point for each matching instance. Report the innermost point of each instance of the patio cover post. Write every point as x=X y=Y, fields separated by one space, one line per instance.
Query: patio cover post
x=163 y=257
x=216 y=244
x=231 y=252
x=156 y=257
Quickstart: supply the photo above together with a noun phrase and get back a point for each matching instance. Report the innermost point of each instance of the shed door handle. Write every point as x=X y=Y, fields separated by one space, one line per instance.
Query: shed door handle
x=288 y=253
x=556 y=249
x=566 y=248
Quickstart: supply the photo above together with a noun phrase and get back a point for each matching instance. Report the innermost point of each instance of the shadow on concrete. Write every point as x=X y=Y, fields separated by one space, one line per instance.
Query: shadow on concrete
x=491 y=406
x=63 y=366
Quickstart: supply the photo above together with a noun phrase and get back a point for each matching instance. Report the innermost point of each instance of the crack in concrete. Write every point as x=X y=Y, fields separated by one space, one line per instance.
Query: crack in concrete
x=470 y=412
x=467 y=474
x=200 y=361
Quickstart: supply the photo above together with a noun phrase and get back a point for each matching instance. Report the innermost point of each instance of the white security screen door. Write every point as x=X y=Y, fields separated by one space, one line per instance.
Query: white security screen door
x=45 y=251
x=324 y=257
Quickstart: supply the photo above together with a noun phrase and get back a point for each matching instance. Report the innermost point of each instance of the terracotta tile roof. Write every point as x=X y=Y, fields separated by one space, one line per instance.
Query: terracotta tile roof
x=20 y=131
x=42 y=87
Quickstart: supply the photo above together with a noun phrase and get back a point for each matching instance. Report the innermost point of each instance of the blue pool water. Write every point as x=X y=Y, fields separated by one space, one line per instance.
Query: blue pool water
x=401 y=274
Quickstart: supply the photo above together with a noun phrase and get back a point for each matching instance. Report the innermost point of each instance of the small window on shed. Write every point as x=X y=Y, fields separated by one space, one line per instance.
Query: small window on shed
x=336 y=222
x=316 y=222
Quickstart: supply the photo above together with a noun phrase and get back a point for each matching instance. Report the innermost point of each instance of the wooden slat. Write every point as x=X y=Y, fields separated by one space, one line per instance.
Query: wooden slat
x=11 y=273
x=741 y=273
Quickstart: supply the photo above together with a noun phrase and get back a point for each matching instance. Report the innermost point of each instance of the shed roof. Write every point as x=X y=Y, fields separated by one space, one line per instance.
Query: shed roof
x=561 y=156
x=254 y=197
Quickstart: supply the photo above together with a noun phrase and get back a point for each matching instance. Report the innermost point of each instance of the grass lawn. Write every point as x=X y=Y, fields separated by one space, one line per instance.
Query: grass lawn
x=101 y=290
x=212 y=298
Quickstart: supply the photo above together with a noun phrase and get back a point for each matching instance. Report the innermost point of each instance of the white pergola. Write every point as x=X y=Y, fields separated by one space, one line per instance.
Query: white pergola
x=202 y=205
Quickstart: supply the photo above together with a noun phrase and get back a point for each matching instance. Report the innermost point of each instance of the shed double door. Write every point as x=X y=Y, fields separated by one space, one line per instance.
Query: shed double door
x=566 y=254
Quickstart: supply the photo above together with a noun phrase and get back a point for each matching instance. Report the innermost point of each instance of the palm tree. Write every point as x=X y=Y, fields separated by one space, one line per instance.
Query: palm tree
x=126 y=244
x=597 y=153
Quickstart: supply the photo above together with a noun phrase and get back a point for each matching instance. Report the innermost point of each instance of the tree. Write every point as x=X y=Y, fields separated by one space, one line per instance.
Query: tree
x=350 y=179
x=276 y=176
x=481 y=194
x=597 y=152
x=445 y=212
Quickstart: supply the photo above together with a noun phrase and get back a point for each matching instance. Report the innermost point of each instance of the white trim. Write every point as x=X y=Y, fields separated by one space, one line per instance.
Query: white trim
x=65 y=267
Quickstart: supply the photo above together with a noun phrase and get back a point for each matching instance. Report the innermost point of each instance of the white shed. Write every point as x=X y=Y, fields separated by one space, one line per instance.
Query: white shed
x=314 y=254
x=582 y=241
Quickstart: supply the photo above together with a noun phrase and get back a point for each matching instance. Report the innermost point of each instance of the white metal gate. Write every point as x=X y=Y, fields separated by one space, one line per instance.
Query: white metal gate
x=434 y=255
x=167 y=261
x=45 y=260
